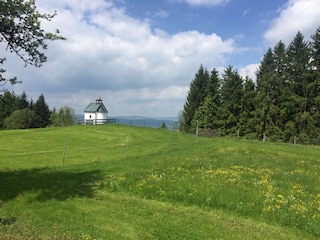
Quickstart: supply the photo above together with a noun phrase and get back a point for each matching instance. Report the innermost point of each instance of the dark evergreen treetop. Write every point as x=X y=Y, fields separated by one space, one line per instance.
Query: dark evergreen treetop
x=41 y=108
x=197 y=93
x=315 y=49
x=22 y=101
x=282 y=104
x=17 y=112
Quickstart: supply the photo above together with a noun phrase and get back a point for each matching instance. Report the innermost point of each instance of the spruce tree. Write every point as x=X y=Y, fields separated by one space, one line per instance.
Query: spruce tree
x=207 y=114
x=315 y=47
x=299 y=71
x=22 y=101
x=8 y=102
x=282 y=91
x=301 y=82
x=283 y=103
x=248 y=106
x=196 y=96
x=42 y=111
x=213 y=86
x=269 y=91
x=231 y=95
x=315 y=89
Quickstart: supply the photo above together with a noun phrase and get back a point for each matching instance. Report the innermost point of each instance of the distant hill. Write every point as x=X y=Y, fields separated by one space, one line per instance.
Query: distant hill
x=141 y=121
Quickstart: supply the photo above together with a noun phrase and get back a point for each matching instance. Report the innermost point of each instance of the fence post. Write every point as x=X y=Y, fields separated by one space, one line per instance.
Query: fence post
x=197 y=129
x=170 y=141
x=64 y=150
x=127 y=145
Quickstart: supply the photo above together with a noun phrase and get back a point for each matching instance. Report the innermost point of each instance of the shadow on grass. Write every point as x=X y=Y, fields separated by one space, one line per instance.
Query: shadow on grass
x=48 y=184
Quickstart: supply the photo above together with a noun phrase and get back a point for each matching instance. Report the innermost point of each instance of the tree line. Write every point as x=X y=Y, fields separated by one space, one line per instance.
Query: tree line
x=283 y=103
x=17 y=112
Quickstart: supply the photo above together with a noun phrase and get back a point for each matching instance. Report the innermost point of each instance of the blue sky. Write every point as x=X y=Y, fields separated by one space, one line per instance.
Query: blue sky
x=140 y=56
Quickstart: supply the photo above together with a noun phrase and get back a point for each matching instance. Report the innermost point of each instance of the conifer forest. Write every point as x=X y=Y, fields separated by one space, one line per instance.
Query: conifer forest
x=281 y=104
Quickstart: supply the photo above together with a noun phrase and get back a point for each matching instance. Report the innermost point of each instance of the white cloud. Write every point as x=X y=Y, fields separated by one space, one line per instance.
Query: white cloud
x=297 y=15
x=136 y=70
x=249 y=70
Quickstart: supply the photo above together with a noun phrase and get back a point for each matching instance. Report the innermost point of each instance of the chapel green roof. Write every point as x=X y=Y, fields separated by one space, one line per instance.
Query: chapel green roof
x=96 y=107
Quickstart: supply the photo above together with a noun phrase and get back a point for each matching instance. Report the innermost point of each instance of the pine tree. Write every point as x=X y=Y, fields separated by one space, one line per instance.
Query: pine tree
x=269 y=91
x=282 y=92
x=248 y=104
x=299 y=71
x=231 y=95
x=315 y=49
x=207 y=113
x=42 y=111
x=196 y=95
x=283 y=103
x=22 y=101
x=301 y=82
x=213 y=86
x=8 y=103
x=315 y=89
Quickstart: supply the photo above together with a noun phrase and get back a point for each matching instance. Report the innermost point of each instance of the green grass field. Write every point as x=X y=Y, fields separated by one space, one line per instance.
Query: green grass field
x=121 y=182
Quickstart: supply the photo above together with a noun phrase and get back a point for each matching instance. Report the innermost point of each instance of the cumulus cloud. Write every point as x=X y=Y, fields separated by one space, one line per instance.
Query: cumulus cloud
x=249 y=71
x=296 y=15
x=136 y=69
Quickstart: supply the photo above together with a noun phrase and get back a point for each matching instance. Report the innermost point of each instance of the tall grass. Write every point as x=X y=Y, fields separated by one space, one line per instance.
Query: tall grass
x=120 y=182
x=273 y=183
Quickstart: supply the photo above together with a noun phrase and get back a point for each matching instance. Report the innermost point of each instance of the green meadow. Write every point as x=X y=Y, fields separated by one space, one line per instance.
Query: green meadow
x=122 y=182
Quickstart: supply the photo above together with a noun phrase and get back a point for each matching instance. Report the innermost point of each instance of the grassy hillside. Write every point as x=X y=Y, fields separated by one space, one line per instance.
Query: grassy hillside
x=120 y=182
